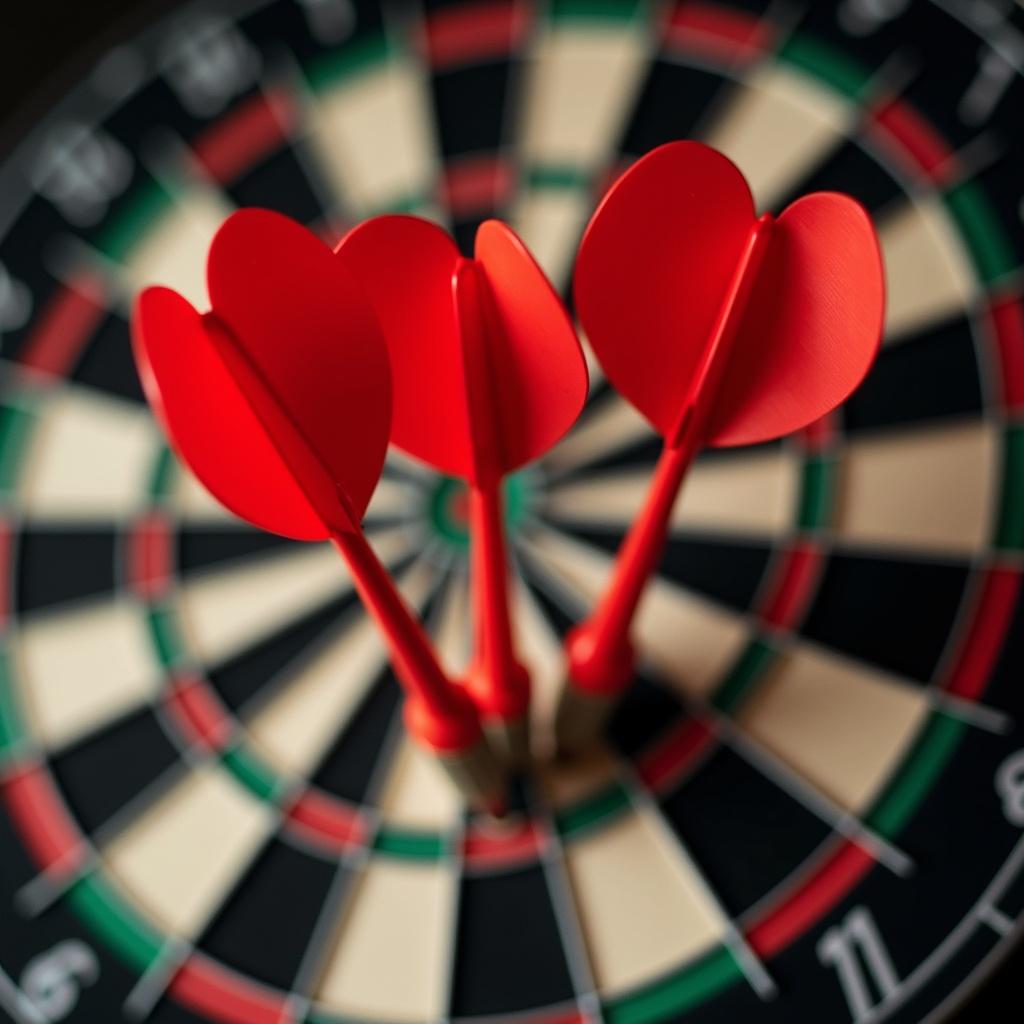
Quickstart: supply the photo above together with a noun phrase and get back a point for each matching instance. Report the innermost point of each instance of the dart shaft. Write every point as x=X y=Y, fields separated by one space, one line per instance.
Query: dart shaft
x=600 y=652
x=444 y=717
x=500 y=684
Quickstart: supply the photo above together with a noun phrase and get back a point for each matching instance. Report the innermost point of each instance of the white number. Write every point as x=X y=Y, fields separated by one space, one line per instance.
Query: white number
x=862 y=17
x=1010 y=787
x=207 y=62
x=54 y=979
x=839 y=948
x=80 y=171
x=989 y=86
x=330 y=21
x=15 y=302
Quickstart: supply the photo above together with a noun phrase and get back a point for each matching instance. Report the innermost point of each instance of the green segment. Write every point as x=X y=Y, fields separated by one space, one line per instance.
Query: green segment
x=163 y=628
x=605 y=804
x=452 y=526
x=417 y=203
x=992 y=253
x=750 y=666
x=917 y=774
x=147 y=203
x=1010 y=531
x=162 y=475
x=816 y=493
x=11 y=730
x=353 y=59
x=674 y=995
x=16 y=423
x=254 y=774
x=844 y=74
x=131 y=938
x=411 y=845
x=555 y=177
x=594 y=10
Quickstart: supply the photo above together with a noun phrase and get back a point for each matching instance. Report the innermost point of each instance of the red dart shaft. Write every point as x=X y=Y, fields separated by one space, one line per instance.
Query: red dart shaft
x=600 y=651
x=439 y=712
x=501 y=684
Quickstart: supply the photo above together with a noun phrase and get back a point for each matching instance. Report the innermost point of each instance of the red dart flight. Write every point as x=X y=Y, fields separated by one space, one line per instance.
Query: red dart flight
x=280 y=402
x=488 y=374
x=721 y=328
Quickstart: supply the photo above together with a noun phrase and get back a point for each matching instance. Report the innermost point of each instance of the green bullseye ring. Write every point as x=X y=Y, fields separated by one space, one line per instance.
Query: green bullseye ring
x=447 y=507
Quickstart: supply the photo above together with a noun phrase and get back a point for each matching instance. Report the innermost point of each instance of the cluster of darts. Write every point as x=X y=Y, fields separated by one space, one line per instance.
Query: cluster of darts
x=720 y=327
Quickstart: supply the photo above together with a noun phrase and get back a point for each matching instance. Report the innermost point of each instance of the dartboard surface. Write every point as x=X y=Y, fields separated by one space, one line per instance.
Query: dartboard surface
x=810 y=805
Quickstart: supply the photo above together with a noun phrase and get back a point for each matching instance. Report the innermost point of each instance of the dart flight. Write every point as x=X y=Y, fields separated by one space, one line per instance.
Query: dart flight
x=488 y=375
x=722 y=328
x=280 y=402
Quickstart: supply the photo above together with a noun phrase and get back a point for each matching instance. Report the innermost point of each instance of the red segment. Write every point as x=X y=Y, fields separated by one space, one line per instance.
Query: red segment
x=477 y=184
x=982 y=641
x=475 y=32
x=327 y=821
x=570 y=1017
x=732 y=37
x=198 y=713
x=221 y=994
x=669 y=757
x=1006 y=316
x=247 y=135
x=149 y=560
x=41 y=818
x=792 y=582
x=786 y=922
x=494 y=846
x=911 y=139
x=65 y=325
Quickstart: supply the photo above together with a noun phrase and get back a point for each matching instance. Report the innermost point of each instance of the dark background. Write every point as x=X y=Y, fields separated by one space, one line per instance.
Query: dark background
x=46 y=44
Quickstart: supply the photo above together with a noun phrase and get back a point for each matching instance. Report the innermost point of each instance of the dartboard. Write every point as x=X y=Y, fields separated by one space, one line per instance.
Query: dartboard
x=809 y=805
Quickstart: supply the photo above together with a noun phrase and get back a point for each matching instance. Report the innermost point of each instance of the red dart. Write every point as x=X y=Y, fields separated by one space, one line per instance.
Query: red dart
x=723 y=329
x=280 y=402
x=488 y=374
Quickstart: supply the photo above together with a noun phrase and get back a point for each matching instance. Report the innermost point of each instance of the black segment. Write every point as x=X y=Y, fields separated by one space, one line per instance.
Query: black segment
x=107 y=363
x=897 y=615
x=242 y=677
x=518 y=964
x=470 y=104
x=266 y=925
x=745 y=833
x=645 y=711
x=726 y=571
x=280 y=183
x=930 y=376
x=200 y=547
x=672 y=101
x=1004 y=684
x=56 y=565
x=98 y=775
x=348 y=767
x=849 y=169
